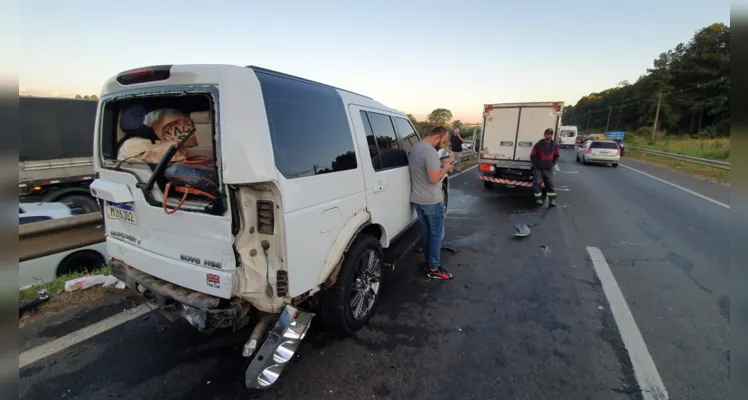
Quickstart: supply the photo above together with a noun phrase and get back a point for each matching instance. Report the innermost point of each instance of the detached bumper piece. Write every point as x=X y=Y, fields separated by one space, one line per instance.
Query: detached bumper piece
x=278 y=348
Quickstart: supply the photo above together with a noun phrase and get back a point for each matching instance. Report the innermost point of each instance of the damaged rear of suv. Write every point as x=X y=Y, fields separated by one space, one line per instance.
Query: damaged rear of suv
x=244 y=198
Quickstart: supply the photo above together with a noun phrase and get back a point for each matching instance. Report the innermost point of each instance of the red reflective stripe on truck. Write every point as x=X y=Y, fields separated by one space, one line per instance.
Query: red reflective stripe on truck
x=505 y=181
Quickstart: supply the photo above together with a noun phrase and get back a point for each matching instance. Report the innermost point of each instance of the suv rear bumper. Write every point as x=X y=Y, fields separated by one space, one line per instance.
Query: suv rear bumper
x=203 y=311
x=163 y=292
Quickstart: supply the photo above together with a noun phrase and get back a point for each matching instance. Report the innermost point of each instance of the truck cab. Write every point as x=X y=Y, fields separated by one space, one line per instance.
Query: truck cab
x=510 y=130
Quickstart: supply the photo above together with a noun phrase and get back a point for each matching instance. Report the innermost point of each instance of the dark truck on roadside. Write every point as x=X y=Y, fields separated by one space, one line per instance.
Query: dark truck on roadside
x=55 y=154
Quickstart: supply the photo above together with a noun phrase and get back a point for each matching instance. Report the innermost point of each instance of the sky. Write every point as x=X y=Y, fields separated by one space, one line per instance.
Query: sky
x=414 y=55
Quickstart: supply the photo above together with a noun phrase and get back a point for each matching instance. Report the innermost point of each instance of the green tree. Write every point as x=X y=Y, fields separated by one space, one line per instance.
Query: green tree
x=439 y=117
x=79 y=97
x=693 y=78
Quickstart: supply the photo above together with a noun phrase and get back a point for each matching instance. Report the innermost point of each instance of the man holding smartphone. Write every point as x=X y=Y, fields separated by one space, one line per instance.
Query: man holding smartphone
x=426 y=174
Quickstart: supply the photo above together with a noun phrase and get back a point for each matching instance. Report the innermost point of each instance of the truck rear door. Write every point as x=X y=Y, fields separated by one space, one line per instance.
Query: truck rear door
x=511 y=129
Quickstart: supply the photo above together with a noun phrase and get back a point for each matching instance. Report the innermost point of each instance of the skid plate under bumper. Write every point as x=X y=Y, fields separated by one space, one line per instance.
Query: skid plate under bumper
x=278 y=349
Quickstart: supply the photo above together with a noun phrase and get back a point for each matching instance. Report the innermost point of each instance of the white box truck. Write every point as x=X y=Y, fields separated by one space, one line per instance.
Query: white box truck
x=510 y=130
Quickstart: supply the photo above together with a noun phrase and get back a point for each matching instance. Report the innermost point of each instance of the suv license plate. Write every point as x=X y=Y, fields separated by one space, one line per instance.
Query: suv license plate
x=121 y=212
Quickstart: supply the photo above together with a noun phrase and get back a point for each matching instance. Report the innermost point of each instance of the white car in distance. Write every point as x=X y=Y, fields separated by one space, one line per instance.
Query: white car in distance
x=50 y=267
x=599 y=152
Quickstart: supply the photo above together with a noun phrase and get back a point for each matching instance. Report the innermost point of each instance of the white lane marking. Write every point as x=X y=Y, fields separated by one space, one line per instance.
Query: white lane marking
x=645 y=370
x=462 y=172
x=709 y=199
x=568 y=172
x=38 y=353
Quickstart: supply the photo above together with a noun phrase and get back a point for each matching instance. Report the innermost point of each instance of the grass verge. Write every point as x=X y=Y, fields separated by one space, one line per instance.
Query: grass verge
x=700 y=171
x=60 y=300
x=713 y=149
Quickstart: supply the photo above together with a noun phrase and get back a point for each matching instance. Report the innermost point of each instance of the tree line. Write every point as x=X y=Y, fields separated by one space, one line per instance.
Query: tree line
x=686 y=91
x=443 y=117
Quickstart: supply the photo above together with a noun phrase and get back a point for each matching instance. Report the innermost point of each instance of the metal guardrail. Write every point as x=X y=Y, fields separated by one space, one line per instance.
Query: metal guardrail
x=694 y=160
x=49 y=237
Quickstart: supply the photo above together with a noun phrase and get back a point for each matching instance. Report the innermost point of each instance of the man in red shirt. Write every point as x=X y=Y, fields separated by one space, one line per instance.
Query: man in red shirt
x=544 y=156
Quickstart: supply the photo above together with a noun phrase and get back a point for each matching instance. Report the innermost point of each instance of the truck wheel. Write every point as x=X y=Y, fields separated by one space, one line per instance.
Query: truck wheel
x=80 y=261
x=88 y=204
x=488 y=185
x=349 y=304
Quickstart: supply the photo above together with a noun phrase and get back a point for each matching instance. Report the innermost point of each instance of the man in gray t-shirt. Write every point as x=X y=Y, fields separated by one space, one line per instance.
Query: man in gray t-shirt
x=426 y=173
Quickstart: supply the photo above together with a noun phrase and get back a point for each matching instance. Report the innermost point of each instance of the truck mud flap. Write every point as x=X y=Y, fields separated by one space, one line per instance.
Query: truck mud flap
x=278 y=348
x=508 y=182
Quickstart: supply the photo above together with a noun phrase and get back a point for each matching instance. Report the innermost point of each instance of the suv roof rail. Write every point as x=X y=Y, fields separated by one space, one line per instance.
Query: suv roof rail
x=284 y=75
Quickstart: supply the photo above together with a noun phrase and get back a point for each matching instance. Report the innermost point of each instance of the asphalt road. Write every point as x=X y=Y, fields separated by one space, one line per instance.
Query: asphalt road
x=524 y=319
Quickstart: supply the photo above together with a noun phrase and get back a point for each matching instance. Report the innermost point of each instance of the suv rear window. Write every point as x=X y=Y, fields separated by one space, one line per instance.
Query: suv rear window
x=123 y=123
x=308 y=127
x=603 y=145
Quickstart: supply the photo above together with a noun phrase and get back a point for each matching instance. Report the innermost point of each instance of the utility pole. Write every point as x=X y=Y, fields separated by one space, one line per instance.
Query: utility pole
x=657 y=116
x=589 y=114
x=610 y=111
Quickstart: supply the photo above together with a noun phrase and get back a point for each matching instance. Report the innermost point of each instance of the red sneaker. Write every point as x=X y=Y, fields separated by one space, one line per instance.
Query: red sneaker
x=439 y=273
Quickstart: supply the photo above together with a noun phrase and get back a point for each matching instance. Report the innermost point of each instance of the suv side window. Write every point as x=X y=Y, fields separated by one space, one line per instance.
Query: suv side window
x=308 y=127
x=389 y=153
x=406 y=133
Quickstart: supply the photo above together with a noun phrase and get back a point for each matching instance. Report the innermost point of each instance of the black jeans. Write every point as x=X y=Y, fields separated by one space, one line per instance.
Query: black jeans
x=543 y=177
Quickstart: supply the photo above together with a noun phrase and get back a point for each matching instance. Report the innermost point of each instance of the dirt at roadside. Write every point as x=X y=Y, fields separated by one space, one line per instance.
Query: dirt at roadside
x=69 y=302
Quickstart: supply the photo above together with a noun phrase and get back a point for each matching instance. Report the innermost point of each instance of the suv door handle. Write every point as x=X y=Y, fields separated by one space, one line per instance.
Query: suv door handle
x=380 y=187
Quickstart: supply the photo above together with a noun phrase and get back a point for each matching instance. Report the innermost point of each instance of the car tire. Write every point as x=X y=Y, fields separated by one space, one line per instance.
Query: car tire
x=615 y=165
x=339 y=314
x=80 y=261
x=88 y=204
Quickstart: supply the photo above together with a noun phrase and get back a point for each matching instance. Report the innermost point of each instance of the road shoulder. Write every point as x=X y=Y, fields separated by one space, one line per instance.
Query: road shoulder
x=713 y=190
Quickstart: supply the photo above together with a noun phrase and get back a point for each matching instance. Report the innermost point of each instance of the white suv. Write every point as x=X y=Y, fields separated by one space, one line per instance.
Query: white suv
x=313 y=184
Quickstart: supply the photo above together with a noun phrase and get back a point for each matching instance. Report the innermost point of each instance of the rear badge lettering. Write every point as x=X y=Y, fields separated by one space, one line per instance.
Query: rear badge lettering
x=124 y=236
x=189 y=259
x=212 y=264
x=213 y=281
x=201 y=262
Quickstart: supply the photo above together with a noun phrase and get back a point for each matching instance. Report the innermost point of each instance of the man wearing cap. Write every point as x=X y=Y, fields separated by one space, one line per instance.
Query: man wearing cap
x=544 y=156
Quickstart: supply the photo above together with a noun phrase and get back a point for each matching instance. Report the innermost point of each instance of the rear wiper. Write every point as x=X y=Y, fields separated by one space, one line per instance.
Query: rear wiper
x=148 y=186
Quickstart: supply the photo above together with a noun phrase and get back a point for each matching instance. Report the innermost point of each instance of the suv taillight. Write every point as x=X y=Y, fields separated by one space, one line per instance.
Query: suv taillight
x=265 y=217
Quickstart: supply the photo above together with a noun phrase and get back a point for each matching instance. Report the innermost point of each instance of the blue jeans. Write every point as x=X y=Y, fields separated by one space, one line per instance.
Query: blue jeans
x=431 y=219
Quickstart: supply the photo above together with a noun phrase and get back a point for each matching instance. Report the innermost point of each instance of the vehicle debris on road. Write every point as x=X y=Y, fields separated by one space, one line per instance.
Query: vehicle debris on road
x=522 y=230
x=33 y=304
x=88 y=281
